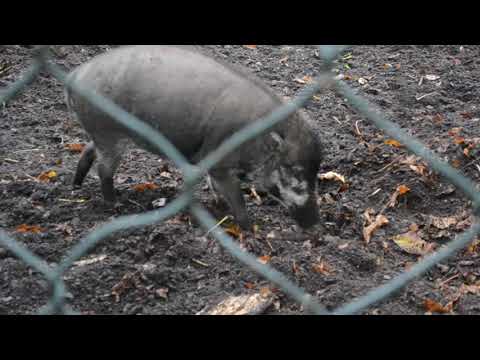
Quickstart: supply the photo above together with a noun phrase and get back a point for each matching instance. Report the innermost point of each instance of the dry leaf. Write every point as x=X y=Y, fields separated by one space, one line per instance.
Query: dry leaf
x=332 y=176
x=251 y=47
x=249 y=285
x=75 y=148
x=393 y=143
x=264 y=259
x=438 y=119
x=162 y=293
x=145 y=187
x=443 y=222
x=322 y=268
x=234 y=230
x=466 y=115
x=455 y=131
x=90 y=261
x=362 y=81
x=265 y=292
x=256 y=198
x=456 y=163
x=432 y=77
x=368 y=231
x=33 y=229
x=411 y=243
x=48 y=176
x=470 y=289
x=159 y=203
x=305 y=80
x=242 y=305
x=459 y=140
x=434 y=307
x=401 y=190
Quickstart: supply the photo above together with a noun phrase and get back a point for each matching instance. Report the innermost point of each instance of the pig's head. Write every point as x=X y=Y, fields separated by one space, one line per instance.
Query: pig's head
x=291 y=173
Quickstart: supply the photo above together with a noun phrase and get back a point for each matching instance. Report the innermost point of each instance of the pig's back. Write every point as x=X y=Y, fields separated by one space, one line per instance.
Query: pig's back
x=176 y=89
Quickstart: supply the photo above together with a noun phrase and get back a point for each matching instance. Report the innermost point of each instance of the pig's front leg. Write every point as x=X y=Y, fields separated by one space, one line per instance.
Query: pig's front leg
x=229 y=187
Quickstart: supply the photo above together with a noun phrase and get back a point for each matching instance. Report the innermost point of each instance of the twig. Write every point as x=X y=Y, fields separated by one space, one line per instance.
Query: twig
x=424 y=96
x=390 y=164
x=449 y=279
x=139 y=205
x=198 y=262
x=217 y=225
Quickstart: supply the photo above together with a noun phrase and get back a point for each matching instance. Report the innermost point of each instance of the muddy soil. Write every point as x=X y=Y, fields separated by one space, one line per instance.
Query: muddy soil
x=172 y=268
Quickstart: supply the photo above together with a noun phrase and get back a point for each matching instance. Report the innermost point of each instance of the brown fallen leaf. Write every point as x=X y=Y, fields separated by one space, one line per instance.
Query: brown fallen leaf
x=129 y=280
x=331 y=175
x=305 y=80
x=254 y=304
x=249 y=285
x=411 y=243
x=434 y=307
x=144 y=187
x=234 y=230
x=251 y=47
x=75 y=148
x=393 y=143
x=368 y=231
x=33 y=229
x=48 y=176
x=438 y=119
x=456 y=163
x=264 y=259
x=443 y=222
x=256 y=198
x=322 y=268
x=401 y=190
x=162 y=293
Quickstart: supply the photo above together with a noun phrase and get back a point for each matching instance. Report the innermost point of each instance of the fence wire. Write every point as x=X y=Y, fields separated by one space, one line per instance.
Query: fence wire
x=57 y=303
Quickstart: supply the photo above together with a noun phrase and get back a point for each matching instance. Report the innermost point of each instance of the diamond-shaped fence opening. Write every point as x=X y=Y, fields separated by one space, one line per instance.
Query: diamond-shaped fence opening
x=192 y=175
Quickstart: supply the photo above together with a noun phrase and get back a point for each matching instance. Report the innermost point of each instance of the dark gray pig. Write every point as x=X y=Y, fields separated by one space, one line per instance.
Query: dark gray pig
x=197 y=103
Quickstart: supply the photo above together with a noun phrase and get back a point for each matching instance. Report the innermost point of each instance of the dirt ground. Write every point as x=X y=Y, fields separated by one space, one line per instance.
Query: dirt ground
x=172 y=268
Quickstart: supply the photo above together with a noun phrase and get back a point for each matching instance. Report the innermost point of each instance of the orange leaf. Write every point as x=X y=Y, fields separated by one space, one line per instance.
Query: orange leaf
x=455 y=131
x=249 y=285
x=322 y=268
x=401 y=190
x=434 y=307
x=466 y=115
x=458 y=140
x=75 y=148
x=47 y=176
x=393 y=143
x=456 y=163
x=24 y=228
x=265 y=259
x=265 y=292
x=252 y=47
x=438 y=119
x=145 y=187
x=234 y=230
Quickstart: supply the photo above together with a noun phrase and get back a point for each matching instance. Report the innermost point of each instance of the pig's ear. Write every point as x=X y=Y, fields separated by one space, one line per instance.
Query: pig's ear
x=278 y=141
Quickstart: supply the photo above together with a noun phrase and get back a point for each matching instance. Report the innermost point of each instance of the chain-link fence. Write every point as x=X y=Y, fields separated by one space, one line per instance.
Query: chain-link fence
x=192 y=175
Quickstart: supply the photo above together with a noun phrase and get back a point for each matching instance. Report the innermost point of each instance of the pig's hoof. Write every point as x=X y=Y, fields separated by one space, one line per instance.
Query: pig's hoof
x=245 y=224
x=112 y=205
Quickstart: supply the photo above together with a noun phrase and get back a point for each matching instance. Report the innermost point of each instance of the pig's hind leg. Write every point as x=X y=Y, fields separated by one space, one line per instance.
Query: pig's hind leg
x=109 y=157
x=84 y=165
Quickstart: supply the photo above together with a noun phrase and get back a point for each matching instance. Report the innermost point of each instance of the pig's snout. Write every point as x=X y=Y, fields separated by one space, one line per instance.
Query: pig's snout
x=306 y=216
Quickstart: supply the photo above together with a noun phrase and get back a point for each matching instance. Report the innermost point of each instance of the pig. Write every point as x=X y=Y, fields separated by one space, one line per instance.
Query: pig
x=197 y=102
